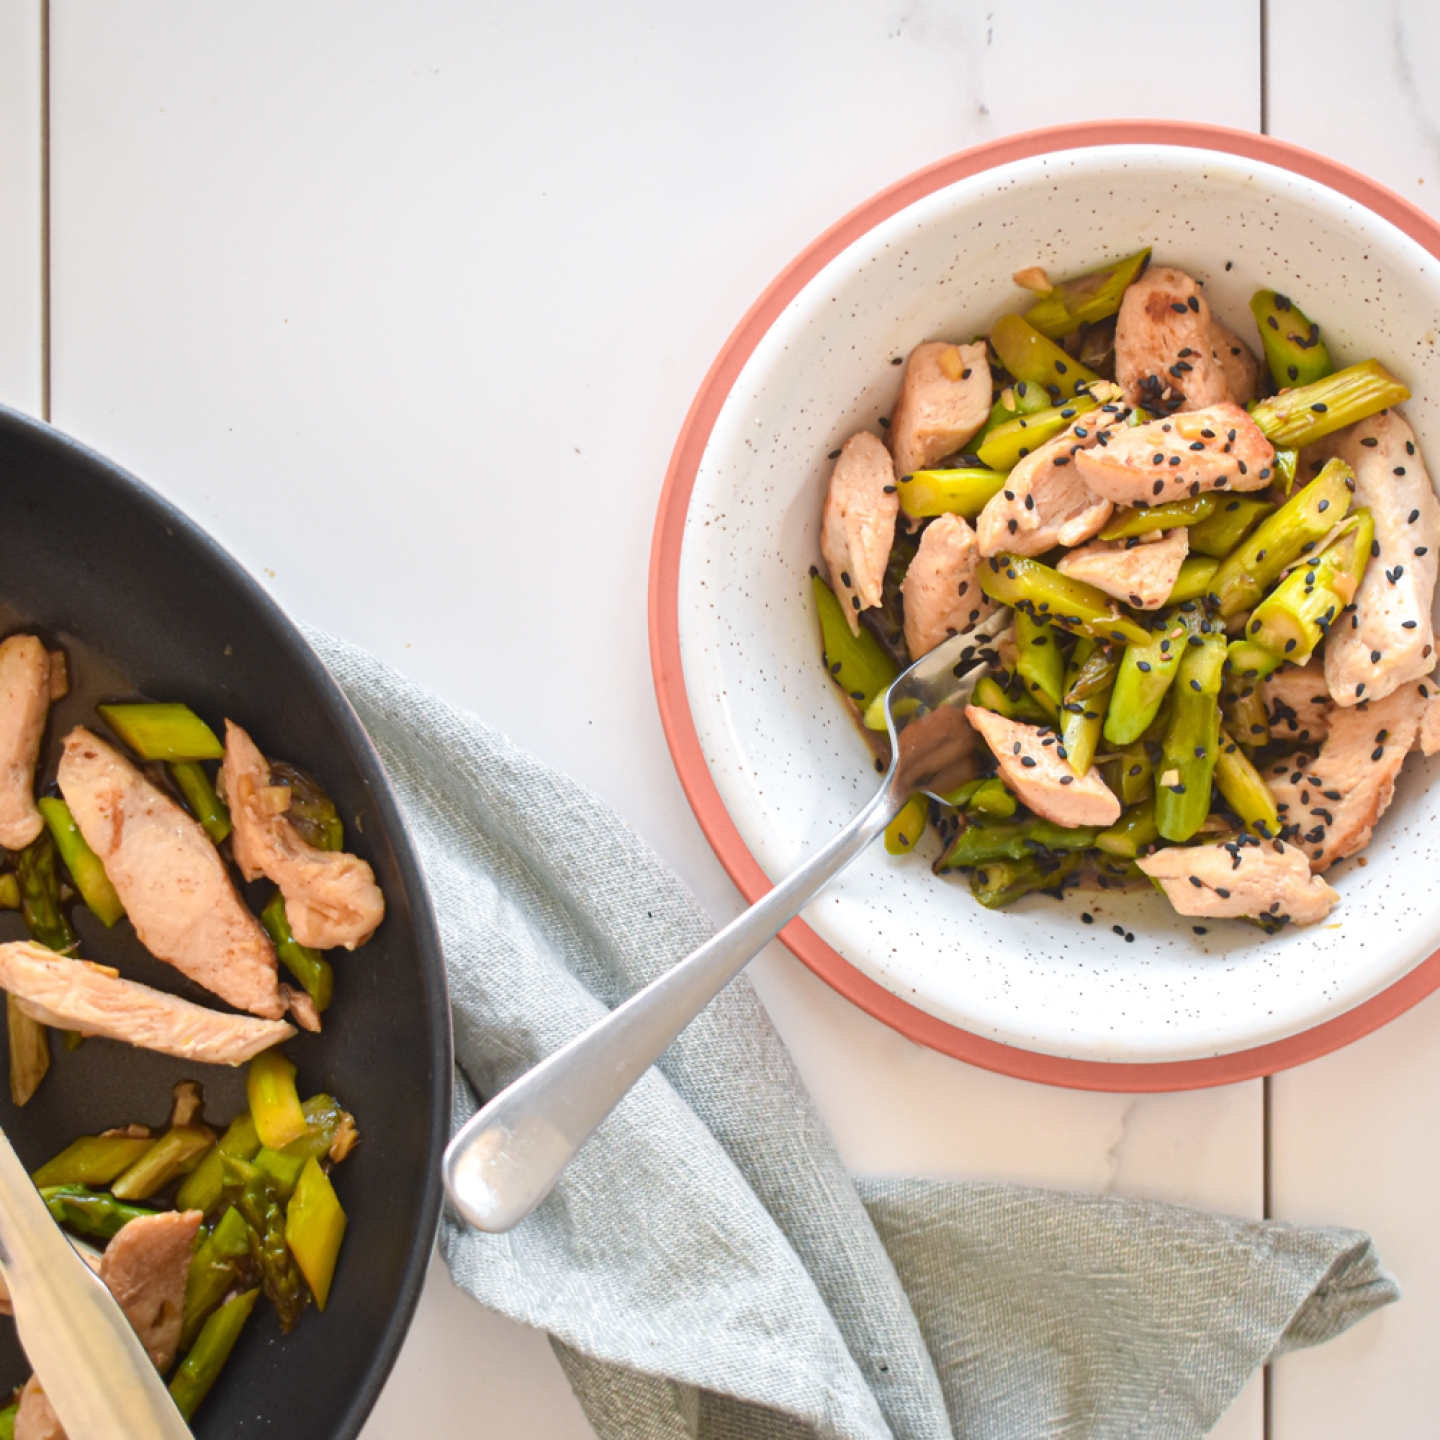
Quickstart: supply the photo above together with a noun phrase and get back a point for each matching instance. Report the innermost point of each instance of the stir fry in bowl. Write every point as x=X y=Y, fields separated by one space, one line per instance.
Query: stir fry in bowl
x=1220 y=573
x=167 y=829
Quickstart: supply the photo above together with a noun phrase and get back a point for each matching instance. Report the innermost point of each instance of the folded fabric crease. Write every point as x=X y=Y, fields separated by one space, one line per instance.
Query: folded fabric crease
x=706 y=1269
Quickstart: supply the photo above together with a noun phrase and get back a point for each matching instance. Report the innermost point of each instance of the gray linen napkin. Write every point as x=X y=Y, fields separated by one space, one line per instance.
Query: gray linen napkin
x=707 y=1270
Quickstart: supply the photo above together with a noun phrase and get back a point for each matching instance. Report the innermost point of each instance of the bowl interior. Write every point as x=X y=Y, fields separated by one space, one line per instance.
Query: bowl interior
x=783 y=753
x=146 y=605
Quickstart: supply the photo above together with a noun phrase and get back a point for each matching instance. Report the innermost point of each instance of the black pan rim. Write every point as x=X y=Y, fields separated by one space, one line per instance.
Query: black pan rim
x=432 y=966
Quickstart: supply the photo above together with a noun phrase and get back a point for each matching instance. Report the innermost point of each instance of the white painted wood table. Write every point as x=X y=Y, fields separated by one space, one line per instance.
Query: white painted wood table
x=388 y=296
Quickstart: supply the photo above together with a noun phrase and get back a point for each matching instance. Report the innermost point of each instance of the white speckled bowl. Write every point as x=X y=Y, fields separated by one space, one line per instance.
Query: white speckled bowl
x=758 y=729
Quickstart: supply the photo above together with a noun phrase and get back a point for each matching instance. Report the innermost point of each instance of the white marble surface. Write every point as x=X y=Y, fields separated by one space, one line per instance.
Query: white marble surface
x=435 y=283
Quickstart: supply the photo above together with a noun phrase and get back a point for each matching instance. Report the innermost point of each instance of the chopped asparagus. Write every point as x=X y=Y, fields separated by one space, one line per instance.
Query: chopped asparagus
x=1029 y=355
x=948 y=492
x=1294 y=350
x=177 y=1152
x=1012 y=840
x=29 y=1052
x=1039 y=661
x=202 y=1366
x=1245 y=790
x=856 y=662
x=1087 y=298
x=1231 y=522
x=1132 y=833
x=1296 y=418
x=38 y=872
x=9 y=892
x=206 y=806
x=81 y=861
x=213 y=1271
x=314 y=1228
x=1194 y=580
x=1132 y=771
x=1187 y=761
x=1145 y=674
x=163 y=732
x=1292 y=531
x=92 y=1160
x=274 y=1103
x=1047 y=595
x=1294 y=617
x=1009 y=443
x=307 y=965
x=203 y=1188
x=1168 y=516
x=904 y=831
x=1088 y=683
x=252 y=1192
x=1250 y=662
x=91 y=1212
x=998 y=883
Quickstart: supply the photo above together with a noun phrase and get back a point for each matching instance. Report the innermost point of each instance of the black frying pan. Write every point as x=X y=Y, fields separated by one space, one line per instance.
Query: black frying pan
x=146 y=605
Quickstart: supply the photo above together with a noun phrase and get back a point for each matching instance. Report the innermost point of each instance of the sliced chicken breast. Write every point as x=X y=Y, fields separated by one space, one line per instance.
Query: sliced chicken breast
x=1429 y=737
x=857 y=527
x=145 y=1266
x=1140 y=571
x=1386 y=639
x=170 y=877
x=1165 y=345
x=1263 y=879
x=73 y=995
x=944 y=400
x=1237 y=362
x=1219 y=448
x=24 y=703
x=940 y=593
x=1329 y=804
x=1045 y=501
x=1298 y=704
x=1033 y=765
x=331 y=898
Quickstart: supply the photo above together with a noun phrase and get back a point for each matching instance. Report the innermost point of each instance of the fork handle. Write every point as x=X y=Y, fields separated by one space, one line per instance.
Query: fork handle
x=508 y=1156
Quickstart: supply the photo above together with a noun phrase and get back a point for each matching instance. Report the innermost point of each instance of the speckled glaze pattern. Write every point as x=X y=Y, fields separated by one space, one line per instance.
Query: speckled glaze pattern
x=1135 y=984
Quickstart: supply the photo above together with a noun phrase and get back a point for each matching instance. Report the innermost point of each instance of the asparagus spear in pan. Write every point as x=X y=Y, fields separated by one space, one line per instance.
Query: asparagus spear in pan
x=251 y=1191
x=202 y=1366
x=91 y=1212
x=307 y=965
x=92 y=1160
x=81 y=861
x=206 y=806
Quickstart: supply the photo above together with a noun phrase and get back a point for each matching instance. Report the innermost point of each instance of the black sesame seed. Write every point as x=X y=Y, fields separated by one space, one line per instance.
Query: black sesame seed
x=1194 y=303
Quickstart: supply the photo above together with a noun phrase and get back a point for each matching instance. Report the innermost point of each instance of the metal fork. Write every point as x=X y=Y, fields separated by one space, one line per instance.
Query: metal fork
x=509 y=1155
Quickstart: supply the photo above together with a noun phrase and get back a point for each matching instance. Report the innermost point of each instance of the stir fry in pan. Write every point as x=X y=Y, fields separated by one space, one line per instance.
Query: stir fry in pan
x=149 y=821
